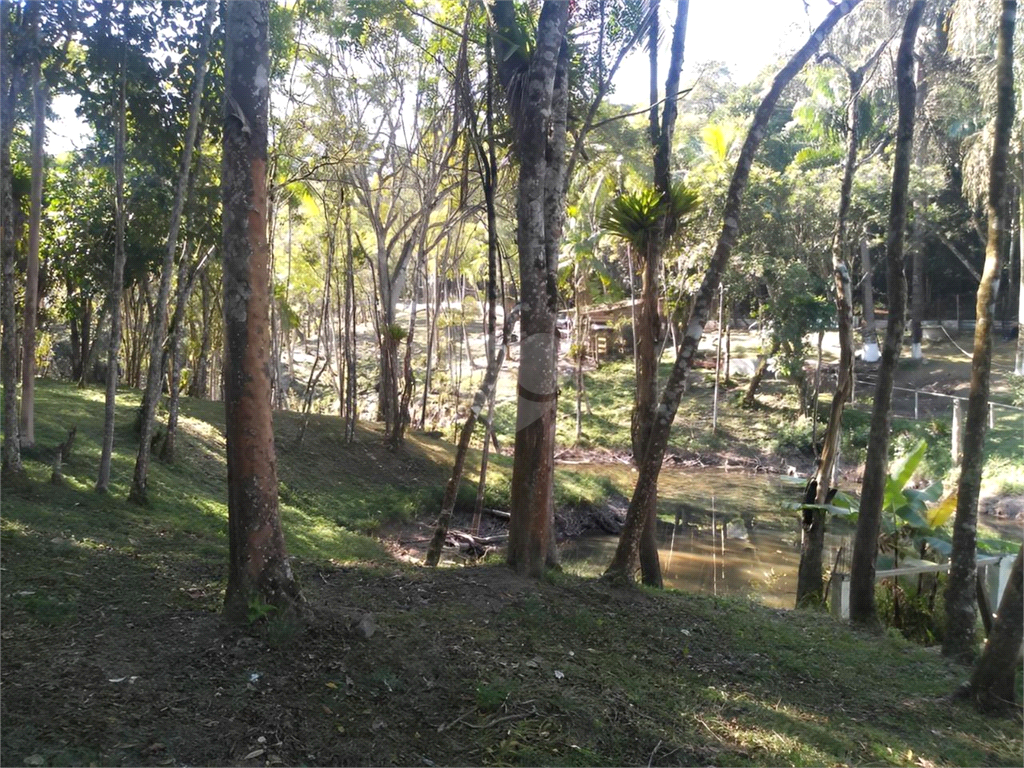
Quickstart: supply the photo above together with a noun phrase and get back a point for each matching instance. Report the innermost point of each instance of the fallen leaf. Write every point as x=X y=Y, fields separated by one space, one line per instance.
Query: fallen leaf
x=254 y=753
x=331 y=685
x=559 y=674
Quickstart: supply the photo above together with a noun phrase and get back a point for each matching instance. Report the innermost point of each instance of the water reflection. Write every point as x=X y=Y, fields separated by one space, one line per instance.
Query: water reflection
x=714 y=543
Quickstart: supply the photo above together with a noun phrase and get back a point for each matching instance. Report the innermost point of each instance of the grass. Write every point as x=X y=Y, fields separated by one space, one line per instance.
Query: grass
x=114 y=652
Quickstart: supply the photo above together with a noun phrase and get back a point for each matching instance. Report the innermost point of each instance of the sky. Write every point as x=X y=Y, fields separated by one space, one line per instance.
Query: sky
x=746 y=35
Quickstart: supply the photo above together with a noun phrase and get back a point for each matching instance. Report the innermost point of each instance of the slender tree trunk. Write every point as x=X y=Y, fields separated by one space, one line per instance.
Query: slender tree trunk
x=259 y=569
x=480 y=399
x=920 y=206
x=749 y=399
x=172 y=354
x=992 y=685
x=199 y=385
x=11 y=85
x=623 y=564
x=810 y=586
x=28 y=356
x=350 y=335
x=961 y=601
x=870 y=353
x=1018 y=365
x=155 y=374
x=117 y=284
x=865 y=549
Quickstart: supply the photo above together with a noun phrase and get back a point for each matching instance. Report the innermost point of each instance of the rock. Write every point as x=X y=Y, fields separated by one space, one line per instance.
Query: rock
x=1010 y=507
x=367 y=626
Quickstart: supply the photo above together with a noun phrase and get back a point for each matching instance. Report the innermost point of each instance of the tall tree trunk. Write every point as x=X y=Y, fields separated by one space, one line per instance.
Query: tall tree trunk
x=920 y=206
x=865 y=548
x=810 y=586
x=961 y=601
x=155 y=374
x=172 y=353
x=623 y=564
x=259 y=570
x=28 y=355
x=870 y=353
x=199 y=385
x=117 y=284
x=11 y=86
x=1018 y=365
x=480 y=399
x=992 y=685
x=537 y=112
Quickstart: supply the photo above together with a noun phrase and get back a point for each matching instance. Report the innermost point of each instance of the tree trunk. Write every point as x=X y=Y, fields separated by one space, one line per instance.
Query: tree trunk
x=810 y=586
x=172 y=354
x=480 y=399
x=28 y=356
x=992 y=686
x=623 y=564
x=199 y=385
x=117 y=285
x=259 y=570
x=749 y=399
x=958 y=641
x=155 y=374
x=11 y=85
x=537 y=111
x=1018 y=365
x=865 y=549
x=919 y=208
x=870 y=353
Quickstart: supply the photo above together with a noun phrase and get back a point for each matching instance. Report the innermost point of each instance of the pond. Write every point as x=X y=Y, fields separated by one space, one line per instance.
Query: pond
x=721 y=532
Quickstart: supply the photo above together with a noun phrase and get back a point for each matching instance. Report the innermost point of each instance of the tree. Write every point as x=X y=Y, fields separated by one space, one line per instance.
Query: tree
x=535 y=79
x=677 y=202
x=157 y=358
x=810 y=588
x=862 y=576
x=623 y=564
x=27 y=429
x=14 y=55
x=259 y=570
x=958 y=641
x=117 y=283
x=992 y=687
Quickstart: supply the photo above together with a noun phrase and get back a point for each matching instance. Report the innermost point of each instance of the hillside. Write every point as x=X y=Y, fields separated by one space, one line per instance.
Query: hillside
x=114 y=652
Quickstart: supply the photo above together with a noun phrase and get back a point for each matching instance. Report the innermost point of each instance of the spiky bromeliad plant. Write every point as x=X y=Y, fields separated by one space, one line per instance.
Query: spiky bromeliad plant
x=635 y=215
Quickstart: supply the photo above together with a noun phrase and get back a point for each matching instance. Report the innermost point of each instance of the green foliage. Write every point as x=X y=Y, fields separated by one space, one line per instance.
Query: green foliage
x=636 y=215
x=1015 y=383
x=258 y=610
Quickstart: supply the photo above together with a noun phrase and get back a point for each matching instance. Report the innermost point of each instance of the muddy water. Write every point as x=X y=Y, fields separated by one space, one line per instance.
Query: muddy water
x=721 y=532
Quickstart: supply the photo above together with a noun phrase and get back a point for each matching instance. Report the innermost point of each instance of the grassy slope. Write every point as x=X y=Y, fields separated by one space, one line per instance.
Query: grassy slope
x=95 y=589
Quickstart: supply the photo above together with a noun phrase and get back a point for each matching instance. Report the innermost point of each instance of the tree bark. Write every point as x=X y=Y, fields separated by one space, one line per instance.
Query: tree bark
x=117 y=285
x=259 y=569
x=28 y=355
x=536 y=89
x=870 y=353
x=155 y=374
x=172 y=353
x=480 y=399
x=810 y=585
x=1018 y=364
x=12 y=82
x=991 y=687
x=961 y=601
x=865 y=549
x=623 y=564
x=648 y=328
x=920 y=206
